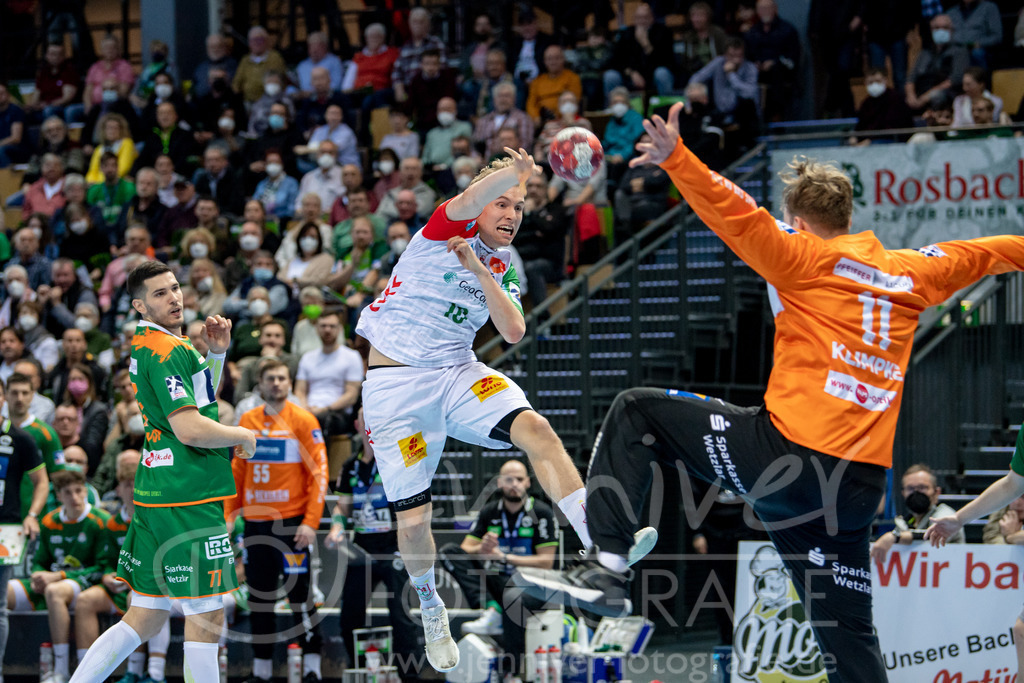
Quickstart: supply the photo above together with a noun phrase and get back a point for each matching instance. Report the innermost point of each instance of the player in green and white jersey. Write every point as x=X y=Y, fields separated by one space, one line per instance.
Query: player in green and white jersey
x=19 y=400
x=177 y=547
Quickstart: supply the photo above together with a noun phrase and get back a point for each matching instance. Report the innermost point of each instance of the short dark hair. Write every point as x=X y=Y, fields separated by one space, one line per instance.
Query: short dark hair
x=274 y=321
x=272 y=364
x=18 y=378
x=107 y=156
x=735 y=43
x=876 y=71
x=142 y=272
x=64 y=478
x=430 y=53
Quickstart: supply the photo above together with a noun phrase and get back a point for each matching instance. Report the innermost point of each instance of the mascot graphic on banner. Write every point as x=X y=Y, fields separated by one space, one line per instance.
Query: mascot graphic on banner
x=773 y=642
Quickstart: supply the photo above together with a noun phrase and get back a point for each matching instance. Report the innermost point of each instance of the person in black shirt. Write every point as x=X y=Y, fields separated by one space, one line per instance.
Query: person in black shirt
x=19 y=458
x=514 y=531
x=372 y=553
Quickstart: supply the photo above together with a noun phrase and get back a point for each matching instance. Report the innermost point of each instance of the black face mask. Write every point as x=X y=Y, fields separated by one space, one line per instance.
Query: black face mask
x=918 y=503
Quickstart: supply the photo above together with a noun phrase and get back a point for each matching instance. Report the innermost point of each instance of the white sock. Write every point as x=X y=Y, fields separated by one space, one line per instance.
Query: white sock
x=159 y=643
x=116 y=643
x=311 y=663
x=157 y=667
x=426 y=589
x=574 y=508
x=60 y=658
x=136 y=662
x=201 y=662
x=617 y=563
x=263 y=668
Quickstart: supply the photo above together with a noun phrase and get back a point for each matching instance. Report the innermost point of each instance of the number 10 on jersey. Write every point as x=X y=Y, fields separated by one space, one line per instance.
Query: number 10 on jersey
x=457 y=314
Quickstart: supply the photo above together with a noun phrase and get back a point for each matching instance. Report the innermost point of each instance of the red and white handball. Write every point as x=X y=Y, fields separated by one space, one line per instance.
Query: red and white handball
x=576 y=154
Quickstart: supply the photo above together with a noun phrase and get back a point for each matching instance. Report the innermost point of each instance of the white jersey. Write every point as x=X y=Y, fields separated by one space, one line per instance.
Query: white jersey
x=430 y=312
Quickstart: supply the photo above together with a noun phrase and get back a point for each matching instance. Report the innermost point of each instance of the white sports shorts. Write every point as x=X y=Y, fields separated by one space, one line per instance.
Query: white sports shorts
x=410 y=413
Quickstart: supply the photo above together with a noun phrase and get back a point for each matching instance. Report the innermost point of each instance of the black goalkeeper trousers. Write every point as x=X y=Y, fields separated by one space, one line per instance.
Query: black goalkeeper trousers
x=817 y=509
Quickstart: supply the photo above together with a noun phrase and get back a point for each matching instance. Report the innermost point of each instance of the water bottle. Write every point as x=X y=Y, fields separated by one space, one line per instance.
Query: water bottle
x=554 y=664
x=294 y=663
x=373 y=662
x=541 y=665
x=222 y=663
x=45 y=660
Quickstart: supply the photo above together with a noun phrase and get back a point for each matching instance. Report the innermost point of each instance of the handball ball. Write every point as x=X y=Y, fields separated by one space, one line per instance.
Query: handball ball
x=575 y=154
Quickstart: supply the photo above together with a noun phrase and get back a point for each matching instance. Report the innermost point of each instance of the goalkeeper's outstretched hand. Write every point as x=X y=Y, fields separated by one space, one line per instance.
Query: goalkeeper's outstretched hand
x=664 y=138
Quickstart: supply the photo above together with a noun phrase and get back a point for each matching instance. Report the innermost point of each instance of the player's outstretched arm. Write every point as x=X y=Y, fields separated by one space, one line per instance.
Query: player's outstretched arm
x=996 y=496
x=192 y=429
x=472 y=201
x=664 y=137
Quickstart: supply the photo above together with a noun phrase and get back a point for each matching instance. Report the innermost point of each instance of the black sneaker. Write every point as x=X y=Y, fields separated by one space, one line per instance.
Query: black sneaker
x=588 y=585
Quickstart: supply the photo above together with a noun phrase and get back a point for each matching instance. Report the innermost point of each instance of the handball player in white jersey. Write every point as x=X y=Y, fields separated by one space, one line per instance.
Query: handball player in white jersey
x=424 y=382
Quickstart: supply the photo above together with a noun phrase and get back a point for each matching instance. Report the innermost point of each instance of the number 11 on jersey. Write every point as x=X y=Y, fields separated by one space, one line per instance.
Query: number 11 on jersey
x=868 y=321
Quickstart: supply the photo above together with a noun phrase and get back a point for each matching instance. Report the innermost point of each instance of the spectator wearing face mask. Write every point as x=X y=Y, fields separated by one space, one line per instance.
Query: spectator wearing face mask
x=137 y=248
x=920 y=490
x=16 y=290
x=398 y=240
x=203 y=277
x=261 y=59
x=40 y=343
x=458 y=176
x=277 y=192
x=939 y=70
x=110 y=65
x=359 y=207
x=46 y=195
x=387 y=173
x=625 y=126
x=546 y=90
x=567 y=116
x=311 y=265
x=281 y=135
x=304 y=336
x=86 y=244
x=145 y=207
x=411 y=179
x=94 y=419
x=883 y=109
x=273 y=93
x=246 y=337
x=97 y=342
x=325 y=180
x=263 y=274
x=310 y=211
x=336 y=131
x=437 y=151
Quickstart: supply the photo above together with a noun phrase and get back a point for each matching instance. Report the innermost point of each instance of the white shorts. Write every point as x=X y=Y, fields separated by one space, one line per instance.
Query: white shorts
x=410 y=413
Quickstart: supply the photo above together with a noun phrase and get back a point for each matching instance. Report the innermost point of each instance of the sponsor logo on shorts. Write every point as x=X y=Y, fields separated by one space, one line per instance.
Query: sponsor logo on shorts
x=414 y=449
x=851 y=389
x=719 y=423
x=175 y=387
x=489 y=386
x=178 y=573
x=816 y=557
x=218 y=547
x=161 y=458
x=717 y=449
x=296 y=563
x=851 y=578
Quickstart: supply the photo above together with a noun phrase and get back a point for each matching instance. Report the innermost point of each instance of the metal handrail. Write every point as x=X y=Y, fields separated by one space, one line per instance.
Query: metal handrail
x=832 y=134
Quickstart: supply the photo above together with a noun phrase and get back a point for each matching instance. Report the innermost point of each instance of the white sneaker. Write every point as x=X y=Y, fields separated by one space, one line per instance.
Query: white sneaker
x=442 y=652
x=643 y=543
x=489 y=624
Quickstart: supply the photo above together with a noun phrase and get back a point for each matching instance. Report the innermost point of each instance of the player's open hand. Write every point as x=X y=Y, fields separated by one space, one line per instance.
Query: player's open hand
x=664 y=137
x=217 y=333
x=524 y=164
x=942 y=529
x=467 y=257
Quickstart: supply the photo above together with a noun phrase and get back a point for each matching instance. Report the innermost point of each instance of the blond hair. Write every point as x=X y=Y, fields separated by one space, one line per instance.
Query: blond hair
x=493 y=167
x=819 y=193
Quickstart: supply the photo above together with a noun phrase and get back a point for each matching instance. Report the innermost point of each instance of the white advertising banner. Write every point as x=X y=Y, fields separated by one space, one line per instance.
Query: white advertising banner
x=915 y=195
x=942 y=616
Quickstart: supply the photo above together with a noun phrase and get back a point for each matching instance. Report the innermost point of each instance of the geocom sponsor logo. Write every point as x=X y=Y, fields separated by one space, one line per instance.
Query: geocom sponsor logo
x=218 y=547
x=449 y=277
x=175 y=387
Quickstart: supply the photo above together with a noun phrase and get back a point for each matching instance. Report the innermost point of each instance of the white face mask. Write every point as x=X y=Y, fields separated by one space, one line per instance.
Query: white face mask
x=386 y=167
x=272 y=89
x=942 y=36
x=28 y=322
x=163 y=90
x=462 y=180
x=226 y=123
x=399 y=245
x=445 y=118
x=136 y=425
x=84 y=324
x=198 y=250
x=875 y=89
x=325 y=161
x=568 y=108
x=274 y=170
x=249 y=242
x=308 y=244
x=619 y=109
x=16 y=288
x=189 y=314
x=258 y=307
x=79 y=227
x=205 y=285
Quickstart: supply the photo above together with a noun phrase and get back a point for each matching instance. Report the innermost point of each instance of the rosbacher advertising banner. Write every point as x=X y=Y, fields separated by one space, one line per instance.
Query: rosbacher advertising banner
x=915 y=195
x=942 y=615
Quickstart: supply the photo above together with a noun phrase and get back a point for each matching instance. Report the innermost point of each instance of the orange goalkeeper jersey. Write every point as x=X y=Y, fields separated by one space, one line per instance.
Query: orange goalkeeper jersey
x=845 y=309
x=287 y=477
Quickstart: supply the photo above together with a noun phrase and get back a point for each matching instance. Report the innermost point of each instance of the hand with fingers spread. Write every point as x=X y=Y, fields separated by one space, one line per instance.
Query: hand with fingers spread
x=217 y=333
x=664 y=137
x=524 y=164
